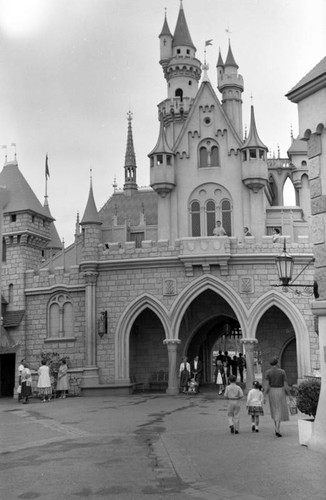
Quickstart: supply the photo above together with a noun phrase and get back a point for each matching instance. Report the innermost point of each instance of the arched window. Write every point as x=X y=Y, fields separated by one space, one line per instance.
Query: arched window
x=203 y=157
x=210 y=217
x=215 y=161
x=226 y=216
x=60 y=316
x=195 y=218
x=179 y=93
x=289 y=196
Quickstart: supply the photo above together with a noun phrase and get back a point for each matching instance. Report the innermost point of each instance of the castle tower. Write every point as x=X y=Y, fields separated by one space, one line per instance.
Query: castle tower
x=54 y=244
x=255 y=175
x=297 y=154
x=130 y=167
x=91 y=232
x=162 y=180
x=182 y=72
x=230 y=84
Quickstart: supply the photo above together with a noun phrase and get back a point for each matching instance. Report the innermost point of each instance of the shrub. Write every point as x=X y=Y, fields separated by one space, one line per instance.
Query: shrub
x=308 y=396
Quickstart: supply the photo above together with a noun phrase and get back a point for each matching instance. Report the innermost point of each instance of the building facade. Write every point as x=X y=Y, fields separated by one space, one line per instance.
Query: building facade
x=147 y=279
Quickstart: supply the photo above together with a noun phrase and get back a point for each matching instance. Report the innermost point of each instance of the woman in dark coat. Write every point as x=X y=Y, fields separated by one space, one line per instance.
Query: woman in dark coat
x=277 y=388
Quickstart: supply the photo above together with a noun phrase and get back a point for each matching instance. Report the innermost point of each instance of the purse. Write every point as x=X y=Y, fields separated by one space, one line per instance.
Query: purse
x=19 y=389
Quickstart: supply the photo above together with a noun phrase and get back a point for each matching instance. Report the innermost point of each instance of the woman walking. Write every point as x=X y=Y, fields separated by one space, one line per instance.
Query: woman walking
x=277 y=388
x=44 y=382
x=184 y=374
x=220 y=377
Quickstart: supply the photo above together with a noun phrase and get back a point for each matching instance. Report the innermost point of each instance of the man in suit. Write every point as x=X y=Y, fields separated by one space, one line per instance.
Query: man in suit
x=196 y=369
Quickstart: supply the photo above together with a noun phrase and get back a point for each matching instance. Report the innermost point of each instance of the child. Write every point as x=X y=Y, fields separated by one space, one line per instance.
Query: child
x=233 y=393
x=255 y=401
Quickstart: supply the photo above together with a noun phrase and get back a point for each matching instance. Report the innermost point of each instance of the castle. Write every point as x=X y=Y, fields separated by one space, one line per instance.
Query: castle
x=147 y=281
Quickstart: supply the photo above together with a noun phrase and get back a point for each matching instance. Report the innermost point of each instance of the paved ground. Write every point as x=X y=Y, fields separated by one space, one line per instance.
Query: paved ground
x=148 y=446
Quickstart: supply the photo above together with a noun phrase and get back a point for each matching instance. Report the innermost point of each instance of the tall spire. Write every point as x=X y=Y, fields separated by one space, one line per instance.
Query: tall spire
x=130 y=159
x=230 y=61
x=253 y=137
x=90 y=215
x=181 y=33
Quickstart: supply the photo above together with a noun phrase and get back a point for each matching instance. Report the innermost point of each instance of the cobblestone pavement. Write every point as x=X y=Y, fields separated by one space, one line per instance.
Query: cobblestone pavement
x=150 y=446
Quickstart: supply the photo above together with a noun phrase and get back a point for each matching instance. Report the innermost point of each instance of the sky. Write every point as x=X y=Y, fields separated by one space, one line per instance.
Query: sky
x=72 y=69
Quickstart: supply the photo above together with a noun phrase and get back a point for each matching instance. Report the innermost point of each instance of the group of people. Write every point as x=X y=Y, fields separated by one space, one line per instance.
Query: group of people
x=190 y=373
x=226 y=366
x=44 y=384
x=276 y=390
x=220 y=231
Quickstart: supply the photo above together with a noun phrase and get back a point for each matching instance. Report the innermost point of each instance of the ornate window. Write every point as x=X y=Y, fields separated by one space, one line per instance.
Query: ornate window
x=195 y=218
x=208 y=152
x=60 y=316
x=208 y=203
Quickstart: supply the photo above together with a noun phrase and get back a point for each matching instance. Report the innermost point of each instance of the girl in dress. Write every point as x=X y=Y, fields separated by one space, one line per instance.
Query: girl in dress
x=220 y=377
x=63 y=383
x=44 y=382
x=255 y=401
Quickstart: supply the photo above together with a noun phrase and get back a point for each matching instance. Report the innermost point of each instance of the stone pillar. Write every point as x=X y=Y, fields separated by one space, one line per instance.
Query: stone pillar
x=173 y=384
x=249 y=345
x=318 y=440
x=90 y=373
x=4 y=198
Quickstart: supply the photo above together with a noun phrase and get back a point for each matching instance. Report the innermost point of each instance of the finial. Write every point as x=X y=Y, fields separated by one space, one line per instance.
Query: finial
x=77 y=217
x=278 y=152
x=252 y=99
x=114 y=185
x=228 y=31
x=129 y=116
x=91 y=176
x=245 y=137
x=291 y=133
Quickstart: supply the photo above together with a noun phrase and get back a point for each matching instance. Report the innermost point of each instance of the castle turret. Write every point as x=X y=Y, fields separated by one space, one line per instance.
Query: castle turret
x=182 y=71
x=230 y=84
x=91 y=230
x=130 y=167
x=255 y=175
x=162 y=178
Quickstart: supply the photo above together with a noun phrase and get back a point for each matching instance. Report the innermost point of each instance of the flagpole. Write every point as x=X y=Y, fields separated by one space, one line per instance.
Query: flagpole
x=46 y=180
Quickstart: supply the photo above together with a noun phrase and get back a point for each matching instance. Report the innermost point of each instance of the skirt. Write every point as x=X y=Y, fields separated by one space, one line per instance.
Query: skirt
x=255 y=411
x=219 y=379
x=26 y=390
x=278 y=404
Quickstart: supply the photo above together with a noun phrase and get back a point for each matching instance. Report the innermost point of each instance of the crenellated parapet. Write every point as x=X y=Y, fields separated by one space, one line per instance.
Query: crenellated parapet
x=52 y=278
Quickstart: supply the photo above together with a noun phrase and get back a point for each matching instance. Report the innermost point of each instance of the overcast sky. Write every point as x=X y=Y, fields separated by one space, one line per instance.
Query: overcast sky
x=71 y=70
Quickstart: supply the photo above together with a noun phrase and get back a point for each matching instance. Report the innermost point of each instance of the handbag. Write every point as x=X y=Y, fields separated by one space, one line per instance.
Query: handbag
x=19 y=389
x=292 y=407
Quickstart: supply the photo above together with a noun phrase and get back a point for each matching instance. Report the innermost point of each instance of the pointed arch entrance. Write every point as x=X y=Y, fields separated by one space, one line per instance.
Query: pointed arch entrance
x=208 y=321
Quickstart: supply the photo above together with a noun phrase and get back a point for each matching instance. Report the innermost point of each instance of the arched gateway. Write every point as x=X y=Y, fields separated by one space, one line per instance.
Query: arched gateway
x=149 y=337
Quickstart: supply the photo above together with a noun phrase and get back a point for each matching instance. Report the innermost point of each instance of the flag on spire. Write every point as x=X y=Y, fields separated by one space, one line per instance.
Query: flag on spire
x=208 y=42
x=47 y=172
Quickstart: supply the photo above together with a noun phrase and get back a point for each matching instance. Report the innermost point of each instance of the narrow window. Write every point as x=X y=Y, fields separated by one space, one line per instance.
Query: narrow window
x=169 y=160
x=195 y=219
x=4 y=250
x=214 y=157
x=179 y=93
x=226 y=216
x=210 y=217
x=159 y=159
x=203 y=157
x=252 y=153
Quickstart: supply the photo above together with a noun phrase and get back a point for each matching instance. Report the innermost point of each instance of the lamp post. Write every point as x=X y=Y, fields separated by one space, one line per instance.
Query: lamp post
x=284 y=265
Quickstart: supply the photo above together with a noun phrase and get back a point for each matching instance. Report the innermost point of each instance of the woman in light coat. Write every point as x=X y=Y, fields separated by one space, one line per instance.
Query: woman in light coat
x=63 y=382
x=44 y=382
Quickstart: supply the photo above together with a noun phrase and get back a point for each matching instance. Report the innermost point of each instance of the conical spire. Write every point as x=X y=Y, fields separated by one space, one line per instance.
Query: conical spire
x=90 y=215
x=253 y=140
x=220 y=62
x=162 y=144
x=230 y=61
x=181 y=33
x=165 y=30
x=130 y=158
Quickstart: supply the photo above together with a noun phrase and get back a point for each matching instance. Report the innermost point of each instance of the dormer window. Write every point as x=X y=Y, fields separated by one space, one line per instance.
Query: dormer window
x=252 y=153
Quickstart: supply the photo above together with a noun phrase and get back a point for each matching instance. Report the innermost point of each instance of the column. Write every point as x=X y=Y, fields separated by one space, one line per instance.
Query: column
x=4 y=198
x=173 y=384
x=249 y=345
x=317 y=441
x=90 y=373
